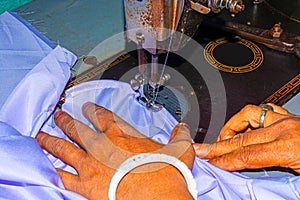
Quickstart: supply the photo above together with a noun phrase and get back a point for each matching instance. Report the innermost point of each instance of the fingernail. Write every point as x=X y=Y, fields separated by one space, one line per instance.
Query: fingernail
x=87 y=104
x=182 y=124
x=196 y=146
x=226 y=137
x=57 y=114
x=201 y=150
x=39 y=136
x=186 y=125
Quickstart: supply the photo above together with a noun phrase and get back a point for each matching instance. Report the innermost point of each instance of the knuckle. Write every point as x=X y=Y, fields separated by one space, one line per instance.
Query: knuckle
x=235 y=142
x=58 y=145
x=292 y=123
x=245 y=155
x=238 y=141
x=214 y=149
x=183 y=129
x=70 y=127
x=242 y=139
x=99 y=111
x=248 y=108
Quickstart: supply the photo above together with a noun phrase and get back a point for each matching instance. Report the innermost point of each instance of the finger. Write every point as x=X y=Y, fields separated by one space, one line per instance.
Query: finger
x=249 y=115
x=61 y=149
x=257 y=136
x=181 y=132
x=203 y=150
x=250 y=157
x=279 y=109
x=105 y=120
x=227 y=133
x=70 y=181
x=74 y=129
x=180 y=144
x=100 y=117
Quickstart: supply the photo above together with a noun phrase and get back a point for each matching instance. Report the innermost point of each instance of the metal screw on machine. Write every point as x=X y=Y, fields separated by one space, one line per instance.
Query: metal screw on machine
x=276 y=31
x=90 y=60
x=162 y=81
x=234 y=6
x=165 y=78
x=135 y=84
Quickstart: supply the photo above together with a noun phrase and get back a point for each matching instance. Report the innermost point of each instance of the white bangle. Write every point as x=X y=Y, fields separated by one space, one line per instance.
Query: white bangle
x=145 y=158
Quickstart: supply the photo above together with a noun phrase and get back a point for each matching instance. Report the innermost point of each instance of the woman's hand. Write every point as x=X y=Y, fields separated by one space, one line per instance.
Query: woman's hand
x=100 y=154
x=248 y=119
x=278 y=144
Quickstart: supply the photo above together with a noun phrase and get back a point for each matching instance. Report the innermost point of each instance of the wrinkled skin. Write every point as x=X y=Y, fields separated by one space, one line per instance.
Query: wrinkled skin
x=100 y=155
x=277 y=144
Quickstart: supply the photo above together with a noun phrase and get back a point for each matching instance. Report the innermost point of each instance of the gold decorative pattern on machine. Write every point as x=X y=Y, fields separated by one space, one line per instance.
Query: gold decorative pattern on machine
x=93 y=73
x=254 y=64
x=96 y=70
x=285 y=93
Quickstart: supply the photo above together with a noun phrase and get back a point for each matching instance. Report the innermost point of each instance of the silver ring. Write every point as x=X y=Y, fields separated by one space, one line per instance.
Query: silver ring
x=265 y=108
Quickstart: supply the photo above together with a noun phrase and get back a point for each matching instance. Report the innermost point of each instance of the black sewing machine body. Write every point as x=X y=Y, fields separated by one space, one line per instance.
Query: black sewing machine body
x=251 y=72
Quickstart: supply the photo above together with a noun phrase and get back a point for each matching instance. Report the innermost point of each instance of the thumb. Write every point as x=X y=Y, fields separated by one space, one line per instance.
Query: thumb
x=181 y=132
x=180 y=144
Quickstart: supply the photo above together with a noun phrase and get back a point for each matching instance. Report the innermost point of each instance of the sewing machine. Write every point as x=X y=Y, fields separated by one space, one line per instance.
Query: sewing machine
x=157 y=28
x=160 y=27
